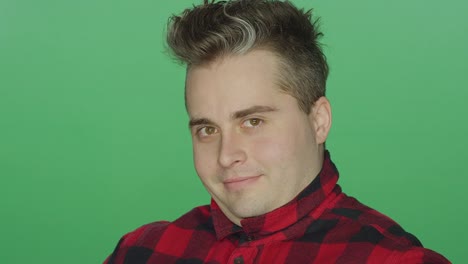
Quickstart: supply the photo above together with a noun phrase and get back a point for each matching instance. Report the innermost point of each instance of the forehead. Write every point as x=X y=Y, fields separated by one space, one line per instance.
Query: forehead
x=232 y=82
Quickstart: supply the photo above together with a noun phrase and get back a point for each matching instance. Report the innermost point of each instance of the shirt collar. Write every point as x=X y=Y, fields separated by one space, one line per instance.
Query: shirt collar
x=305 y=202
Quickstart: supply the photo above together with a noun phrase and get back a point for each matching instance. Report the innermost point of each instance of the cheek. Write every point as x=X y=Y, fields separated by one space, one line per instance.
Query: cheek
x=204 y=159
x=283 y=151
x=271 y=150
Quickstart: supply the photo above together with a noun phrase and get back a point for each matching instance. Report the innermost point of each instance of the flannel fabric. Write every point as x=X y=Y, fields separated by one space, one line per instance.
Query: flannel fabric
x=321 y=225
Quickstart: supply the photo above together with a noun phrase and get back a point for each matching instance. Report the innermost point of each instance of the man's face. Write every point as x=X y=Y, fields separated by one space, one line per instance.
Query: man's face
x=254 y=149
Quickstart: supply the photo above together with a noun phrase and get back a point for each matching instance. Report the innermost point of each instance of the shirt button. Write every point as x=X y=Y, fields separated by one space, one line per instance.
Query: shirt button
x=239 y=260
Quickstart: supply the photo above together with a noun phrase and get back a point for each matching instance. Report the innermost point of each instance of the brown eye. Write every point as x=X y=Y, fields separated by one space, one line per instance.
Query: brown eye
x=252 y=122
x=210 y=130
x=207 y=131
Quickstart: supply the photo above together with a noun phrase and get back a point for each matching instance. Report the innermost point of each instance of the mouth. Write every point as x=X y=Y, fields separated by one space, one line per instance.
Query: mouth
x=238 y=183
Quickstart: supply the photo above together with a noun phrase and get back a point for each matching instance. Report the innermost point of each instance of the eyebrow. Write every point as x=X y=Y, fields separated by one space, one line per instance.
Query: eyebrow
x=200 y=121
x=253 y=110
x=236 y=115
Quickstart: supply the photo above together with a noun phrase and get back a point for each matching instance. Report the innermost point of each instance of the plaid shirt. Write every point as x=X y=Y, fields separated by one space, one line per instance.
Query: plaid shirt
x=321 y=225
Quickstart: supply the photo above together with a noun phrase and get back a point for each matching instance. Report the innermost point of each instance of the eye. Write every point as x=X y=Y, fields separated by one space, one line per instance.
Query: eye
x=207 y=131
x=252 y=122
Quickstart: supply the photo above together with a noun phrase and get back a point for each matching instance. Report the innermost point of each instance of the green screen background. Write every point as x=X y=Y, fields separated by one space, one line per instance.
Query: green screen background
x=94 y=139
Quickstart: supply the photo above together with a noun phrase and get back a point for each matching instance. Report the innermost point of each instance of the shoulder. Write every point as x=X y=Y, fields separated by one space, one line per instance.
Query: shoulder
x=148 y=235
x=374 y=236
x=145 y=239
x=363 y=223
x=144 y=234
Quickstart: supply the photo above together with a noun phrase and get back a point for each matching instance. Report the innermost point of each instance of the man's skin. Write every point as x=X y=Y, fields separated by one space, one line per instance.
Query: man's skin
x=254 y=148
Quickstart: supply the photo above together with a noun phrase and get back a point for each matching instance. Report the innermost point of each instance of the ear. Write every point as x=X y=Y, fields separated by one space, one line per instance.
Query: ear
x=321 y=116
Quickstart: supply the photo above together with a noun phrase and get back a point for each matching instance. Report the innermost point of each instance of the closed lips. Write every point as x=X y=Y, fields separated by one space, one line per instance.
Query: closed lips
x=240 y=179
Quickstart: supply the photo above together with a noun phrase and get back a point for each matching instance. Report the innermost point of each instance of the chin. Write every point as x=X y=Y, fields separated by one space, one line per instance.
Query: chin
x=249 y=212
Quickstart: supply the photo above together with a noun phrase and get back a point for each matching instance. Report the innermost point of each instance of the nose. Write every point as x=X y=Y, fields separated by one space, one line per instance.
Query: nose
x=231 y=150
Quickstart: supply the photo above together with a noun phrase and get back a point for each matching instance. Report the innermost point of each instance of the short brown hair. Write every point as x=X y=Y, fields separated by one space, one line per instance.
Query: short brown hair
x=214 y=29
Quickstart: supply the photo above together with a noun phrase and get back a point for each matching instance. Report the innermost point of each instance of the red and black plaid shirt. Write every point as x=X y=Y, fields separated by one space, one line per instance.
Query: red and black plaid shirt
x=321 y=225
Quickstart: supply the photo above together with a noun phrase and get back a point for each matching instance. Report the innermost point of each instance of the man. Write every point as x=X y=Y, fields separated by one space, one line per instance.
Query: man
x=259 y=119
